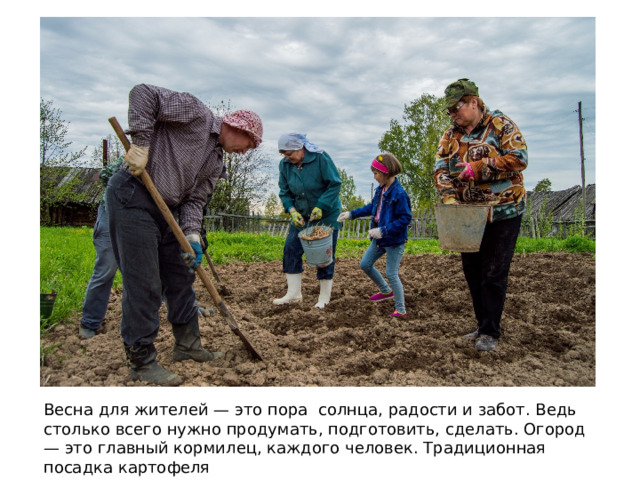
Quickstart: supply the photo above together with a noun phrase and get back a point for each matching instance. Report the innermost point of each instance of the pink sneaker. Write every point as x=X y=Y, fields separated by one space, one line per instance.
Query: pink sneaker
x=396 y=313
x=378 y=297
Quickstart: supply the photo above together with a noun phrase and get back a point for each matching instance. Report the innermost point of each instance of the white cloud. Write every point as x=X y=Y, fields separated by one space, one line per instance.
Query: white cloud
x=341 y=80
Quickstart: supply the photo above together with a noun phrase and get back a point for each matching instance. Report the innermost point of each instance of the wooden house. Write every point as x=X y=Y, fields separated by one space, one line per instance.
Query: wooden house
x=562 y=208
x=69 y=195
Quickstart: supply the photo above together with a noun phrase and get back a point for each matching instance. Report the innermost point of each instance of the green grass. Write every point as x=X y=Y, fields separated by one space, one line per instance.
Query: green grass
x=227 y=248
x=66 y=263
x=67 y=256
x=574 y=244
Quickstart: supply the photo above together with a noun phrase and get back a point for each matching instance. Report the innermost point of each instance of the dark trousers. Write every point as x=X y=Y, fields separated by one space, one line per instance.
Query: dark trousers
x=148 y=255
x=293 y=251
x=487 y=271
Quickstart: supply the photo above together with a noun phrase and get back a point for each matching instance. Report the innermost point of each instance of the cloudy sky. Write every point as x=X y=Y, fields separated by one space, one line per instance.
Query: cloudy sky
x=340 y=80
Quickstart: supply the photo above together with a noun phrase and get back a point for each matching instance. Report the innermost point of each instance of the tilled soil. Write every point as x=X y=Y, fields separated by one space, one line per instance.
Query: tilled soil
x=548 y=331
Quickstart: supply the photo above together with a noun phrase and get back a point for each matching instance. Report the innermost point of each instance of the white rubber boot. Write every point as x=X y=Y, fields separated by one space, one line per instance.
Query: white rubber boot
x=325 y=293
x=294 y=290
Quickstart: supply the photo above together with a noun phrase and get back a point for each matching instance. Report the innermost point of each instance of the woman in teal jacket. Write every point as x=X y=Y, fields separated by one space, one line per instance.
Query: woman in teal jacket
x=310 y=192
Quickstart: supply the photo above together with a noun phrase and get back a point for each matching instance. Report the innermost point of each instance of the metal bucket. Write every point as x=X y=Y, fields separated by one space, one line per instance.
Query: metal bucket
x=461 y=227
x=319 y=252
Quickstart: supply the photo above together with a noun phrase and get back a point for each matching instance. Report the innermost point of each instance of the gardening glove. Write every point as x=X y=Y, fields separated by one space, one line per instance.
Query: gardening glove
x=450 y=200
x=191 y=261
x=375 y=233
x=467 y=172
x=316 y=214
x=344 y=216
x=137 y=158
x=296 y=218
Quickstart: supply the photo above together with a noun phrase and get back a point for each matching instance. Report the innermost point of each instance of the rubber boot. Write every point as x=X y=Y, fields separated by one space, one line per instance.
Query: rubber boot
x=87 y=332
x=143 y=366
x=325 y=293
x=294 y=290
x=188 y=345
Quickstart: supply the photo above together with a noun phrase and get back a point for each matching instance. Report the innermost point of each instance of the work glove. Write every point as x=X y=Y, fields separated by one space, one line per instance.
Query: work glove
x=191 y=261
x=316 y=214
x=467 y=172
x=296 y=218
x=344 y=216
x=375 y=233
x=137 y=158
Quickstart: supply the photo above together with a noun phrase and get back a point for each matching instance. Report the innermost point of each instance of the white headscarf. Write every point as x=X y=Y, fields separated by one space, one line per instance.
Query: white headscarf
x=295 y=141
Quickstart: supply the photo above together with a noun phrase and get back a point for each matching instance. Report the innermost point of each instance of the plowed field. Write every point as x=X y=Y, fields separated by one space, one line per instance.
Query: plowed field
x=548 y=331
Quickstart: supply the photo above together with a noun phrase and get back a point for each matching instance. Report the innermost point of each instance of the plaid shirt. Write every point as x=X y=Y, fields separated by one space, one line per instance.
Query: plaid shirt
x=185 y=158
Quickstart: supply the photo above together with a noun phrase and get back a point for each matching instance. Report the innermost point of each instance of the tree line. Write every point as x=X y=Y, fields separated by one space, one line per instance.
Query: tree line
x=413 y=140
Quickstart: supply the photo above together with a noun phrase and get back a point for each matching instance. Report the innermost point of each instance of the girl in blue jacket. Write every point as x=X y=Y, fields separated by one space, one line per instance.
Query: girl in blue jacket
x=390 y=211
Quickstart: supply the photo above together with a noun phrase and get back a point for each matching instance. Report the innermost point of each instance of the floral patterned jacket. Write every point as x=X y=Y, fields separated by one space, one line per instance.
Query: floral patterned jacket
x=497 y=153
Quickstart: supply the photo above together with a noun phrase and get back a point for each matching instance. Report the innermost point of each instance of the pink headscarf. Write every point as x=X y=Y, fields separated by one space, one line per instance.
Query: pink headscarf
x=247 y=121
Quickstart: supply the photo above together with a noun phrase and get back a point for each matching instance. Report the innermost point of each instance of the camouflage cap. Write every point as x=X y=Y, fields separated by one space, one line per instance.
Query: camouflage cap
x=458 y=89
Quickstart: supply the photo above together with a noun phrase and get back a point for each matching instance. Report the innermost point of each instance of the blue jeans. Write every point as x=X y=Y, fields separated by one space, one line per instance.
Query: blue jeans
x=487 y=272
x=96 y=298
x=394 y=257
x=148 y=255
x=293 y=251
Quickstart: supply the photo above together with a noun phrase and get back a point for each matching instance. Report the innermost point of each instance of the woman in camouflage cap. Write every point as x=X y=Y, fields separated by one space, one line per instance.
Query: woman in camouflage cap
x=480 y=159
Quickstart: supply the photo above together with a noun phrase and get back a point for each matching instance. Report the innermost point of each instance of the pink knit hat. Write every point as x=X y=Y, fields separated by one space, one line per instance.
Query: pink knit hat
x=246 y=121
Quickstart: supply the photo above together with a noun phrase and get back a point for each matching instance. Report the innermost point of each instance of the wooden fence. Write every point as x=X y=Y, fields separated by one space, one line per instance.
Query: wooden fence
x=423 y=225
